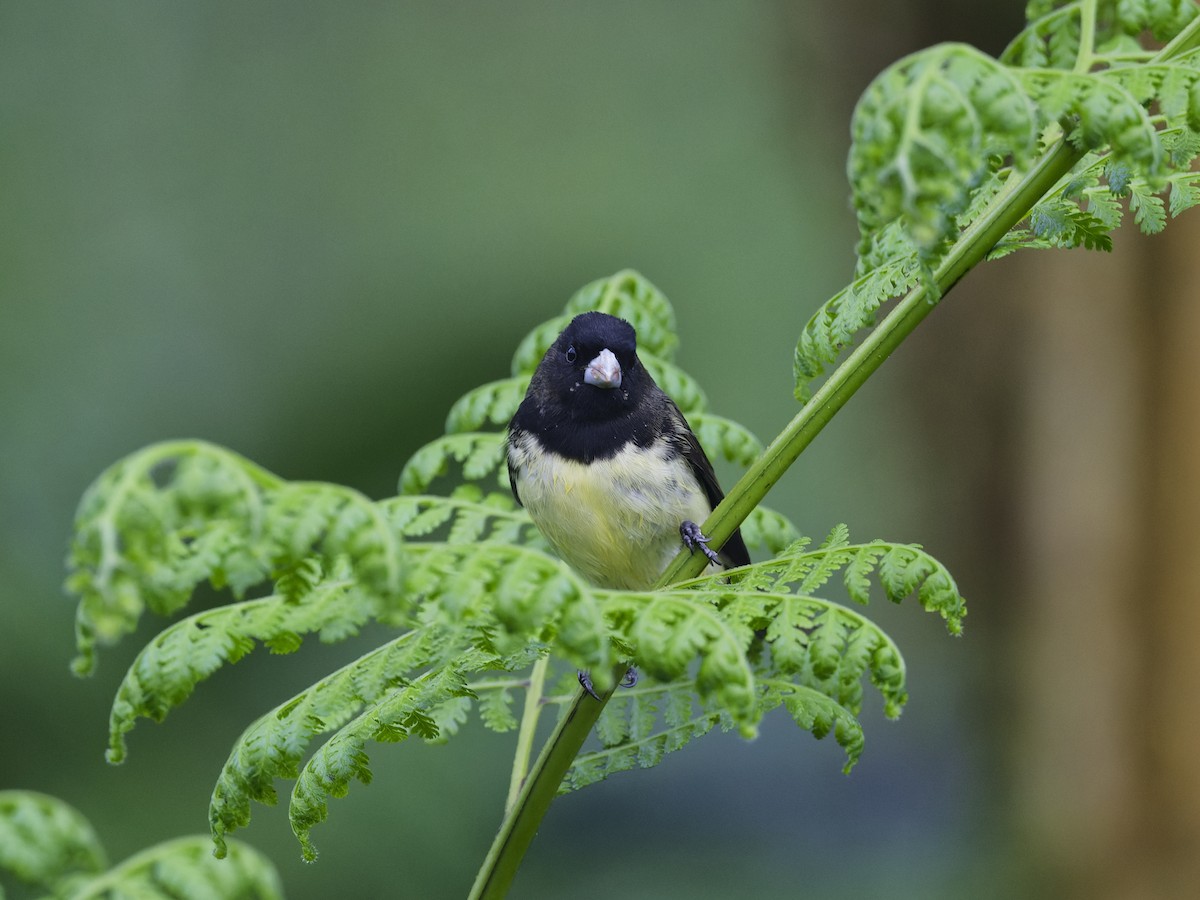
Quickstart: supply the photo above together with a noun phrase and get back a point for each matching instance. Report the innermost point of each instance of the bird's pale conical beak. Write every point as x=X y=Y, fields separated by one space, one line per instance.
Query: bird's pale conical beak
x=604 y=371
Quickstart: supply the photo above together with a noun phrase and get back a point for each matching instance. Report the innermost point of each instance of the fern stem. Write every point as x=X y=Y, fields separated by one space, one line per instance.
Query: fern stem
x=526 y=814
x=1186 y=40
x=1087 y=36
x=529 y=721
x=1008 y=208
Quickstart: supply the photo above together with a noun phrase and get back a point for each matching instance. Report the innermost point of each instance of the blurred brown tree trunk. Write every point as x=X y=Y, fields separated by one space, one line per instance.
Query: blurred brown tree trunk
x=1172 y=798
x=1107 y=722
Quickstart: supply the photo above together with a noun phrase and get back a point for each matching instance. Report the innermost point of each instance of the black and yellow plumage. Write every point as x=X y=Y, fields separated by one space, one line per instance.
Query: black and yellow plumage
x=605 y=462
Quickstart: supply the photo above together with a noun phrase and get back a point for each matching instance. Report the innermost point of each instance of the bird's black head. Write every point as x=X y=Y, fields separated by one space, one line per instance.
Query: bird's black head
x=592 y=368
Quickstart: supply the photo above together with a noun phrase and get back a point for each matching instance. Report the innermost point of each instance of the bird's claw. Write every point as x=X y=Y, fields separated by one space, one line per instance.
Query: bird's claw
x=585 y=681
x=693 y=537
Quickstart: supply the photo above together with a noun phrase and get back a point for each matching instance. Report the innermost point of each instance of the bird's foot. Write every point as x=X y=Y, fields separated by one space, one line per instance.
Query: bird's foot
x=585 y=680
x=693 y=538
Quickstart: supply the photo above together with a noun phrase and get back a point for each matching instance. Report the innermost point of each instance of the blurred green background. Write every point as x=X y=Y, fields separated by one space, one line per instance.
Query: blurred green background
x=303 y=230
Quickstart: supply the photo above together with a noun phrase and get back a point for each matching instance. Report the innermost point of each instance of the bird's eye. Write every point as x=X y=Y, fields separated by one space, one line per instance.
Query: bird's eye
x=571 y=354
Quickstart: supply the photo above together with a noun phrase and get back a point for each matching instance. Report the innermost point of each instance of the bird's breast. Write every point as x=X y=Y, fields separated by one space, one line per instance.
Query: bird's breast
x=615 y=520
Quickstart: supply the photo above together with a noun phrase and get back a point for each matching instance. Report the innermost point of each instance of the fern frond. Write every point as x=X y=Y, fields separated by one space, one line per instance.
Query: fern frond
x=632 y=735
x=493 y=403
x=768 y=529
x=467 y=516
x=1149 y=211
x=725 y=439
x=817 y=714
x=185 y=867
x=480 y=454
x=642 y=724
x=155 y=525
x=519 y=594
x=170 y=517
x=1052 y=37
x=167 y=670
x=900 y=569
x=44 y=841
x=496 y=703
x=828 y=648
x=1184 y=193
x=851 y=310
x=402 y=713
x=274 y=745
x=1105 y=113
x=925 y=132
x=668 y=631
x=938 y=135
x=332 y=523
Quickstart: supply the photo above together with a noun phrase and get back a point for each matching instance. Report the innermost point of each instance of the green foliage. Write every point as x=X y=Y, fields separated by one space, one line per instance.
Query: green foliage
x=164 y=520
x=924 y=134
x=955 y=156
x=44 y=841
x=475 y=597
x=940 y=136
x=47 y=844
x=941 y=140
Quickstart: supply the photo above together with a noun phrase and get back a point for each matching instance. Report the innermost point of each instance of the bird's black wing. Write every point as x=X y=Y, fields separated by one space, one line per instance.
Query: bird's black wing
x=512 y=472
x=678 y=433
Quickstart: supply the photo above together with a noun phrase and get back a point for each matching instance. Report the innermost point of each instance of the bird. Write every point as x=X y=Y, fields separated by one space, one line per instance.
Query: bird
x=606 y=464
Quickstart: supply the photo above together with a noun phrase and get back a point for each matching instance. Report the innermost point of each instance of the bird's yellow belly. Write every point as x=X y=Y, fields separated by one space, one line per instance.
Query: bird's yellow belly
x=615 y=521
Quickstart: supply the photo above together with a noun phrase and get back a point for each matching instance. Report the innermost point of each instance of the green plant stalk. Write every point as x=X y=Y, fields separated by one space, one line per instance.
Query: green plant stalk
x=1008 y=208
x=529 y=720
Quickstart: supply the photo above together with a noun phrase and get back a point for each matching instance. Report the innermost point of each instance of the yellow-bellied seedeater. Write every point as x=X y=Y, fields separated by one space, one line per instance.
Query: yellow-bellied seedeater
x=606 y=464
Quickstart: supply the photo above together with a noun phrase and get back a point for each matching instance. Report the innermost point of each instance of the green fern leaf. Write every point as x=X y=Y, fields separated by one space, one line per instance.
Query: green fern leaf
x=1149 y=211
x=769 y=530
x=852 y=310
x=901 y=569
x=479 y=453
x=185 y=867
x=170 y=517
x=44 y=841
x=157 y=524
x=1184 y=193
x=924 y=133
x=725 y=439
x=400 y=714
x=669 y=630
x=168 y=669
x=275 y=744
x=495 y=706
x=490 y=404
x=818 y=714
x=468 y=516
x=523 y=594
x=1162 y=18
x=631 y=735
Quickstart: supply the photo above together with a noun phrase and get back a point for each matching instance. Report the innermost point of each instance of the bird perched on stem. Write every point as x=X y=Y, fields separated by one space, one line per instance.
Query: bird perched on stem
x=606 y=464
